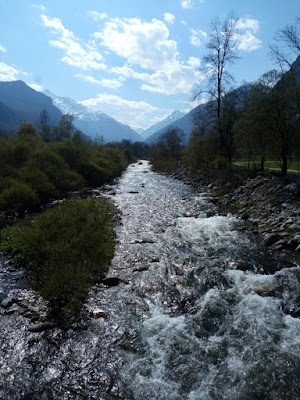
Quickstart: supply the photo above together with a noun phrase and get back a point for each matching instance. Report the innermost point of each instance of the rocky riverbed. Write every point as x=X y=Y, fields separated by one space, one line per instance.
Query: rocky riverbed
x=268 y=202
x=194 y=307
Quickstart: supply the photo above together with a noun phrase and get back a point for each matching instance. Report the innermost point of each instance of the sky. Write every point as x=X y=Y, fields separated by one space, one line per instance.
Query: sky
x=135 y=60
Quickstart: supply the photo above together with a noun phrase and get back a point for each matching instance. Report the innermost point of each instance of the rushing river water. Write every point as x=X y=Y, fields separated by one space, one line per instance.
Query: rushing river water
x=202 y=311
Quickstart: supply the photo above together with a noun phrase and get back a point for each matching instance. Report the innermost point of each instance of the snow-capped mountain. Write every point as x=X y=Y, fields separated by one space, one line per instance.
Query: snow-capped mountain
x=94 y=124
x=161 y=124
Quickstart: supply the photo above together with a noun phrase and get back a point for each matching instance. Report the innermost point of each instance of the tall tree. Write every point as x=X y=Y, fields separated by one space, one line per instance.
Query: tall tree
x=44 y=125
x=287 y=46
x=254 y=128
x=65 y=127
x=283 y=113
x=222 y=46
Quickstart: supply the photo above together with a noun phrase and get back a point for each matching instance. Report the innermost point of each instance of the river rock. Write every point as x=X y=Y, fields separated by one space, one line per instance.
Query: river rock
x=42 y=326
x=267 y=291
x=99 y=314
x=271 y=239
x=241 y=266
x=292 y=188
x=7 y=302
x=111 y=281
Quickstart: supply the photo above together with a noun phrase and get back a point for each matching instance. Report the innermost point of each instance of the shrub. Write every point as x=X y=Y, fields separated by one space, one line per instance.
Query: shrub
x=37 y=179
x=65 y=251
x=18 y=196
x=56 y=170
x=93 y=174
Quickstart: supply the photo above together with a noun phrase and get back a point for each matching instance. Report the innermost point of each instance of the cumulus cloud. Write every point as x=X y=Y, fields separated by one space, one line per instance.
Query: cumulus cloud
x=248 y=24
x=247 y=28
x=134 y=113
x=107 y=83
x=248 y=42
x=175 y=79
x=9 y=73
x=75 y=54
x=169 y=18
x=194 y=62
x=146 y=44
x=3 y=49
x=150 y=56
x=197 y=37
x=188 y=4
x=96 y=16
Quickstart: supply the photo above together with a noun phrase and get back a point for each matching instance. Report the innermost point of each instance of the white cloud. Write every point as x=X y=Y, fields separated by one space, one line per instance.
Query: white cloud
x=108 y=83
x=247 y=41
x=134 y=113
x=175 y=79
x=3 y=49
x=39 y=7
x=194 y=62
x=197 y=37
x=75 y=54
x=149 y=54
x=9 y=73
x=169 y=18
x=35 y=86
x=146 y=44
x=97 y=16
x=248 y=24
x=188 y=4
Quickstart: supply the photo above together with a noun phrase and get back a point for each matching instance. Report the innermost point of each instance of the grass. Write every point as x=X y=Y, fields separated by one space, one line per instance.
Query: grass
x=65 y=251
x=294 y=164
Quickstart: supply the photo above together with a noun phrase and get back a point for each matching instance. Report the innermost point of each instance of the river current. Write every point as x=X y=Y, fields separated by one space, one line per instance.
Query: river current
x=202 y=311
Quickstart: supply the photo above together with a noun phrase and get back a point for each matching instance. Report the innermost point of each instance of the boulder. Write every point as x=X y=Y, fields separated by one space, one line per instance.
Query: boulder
x=98 y=314
x=271 y=239
x=111 y=281
x=267 y=291
x=42 y=326
x=7 y=302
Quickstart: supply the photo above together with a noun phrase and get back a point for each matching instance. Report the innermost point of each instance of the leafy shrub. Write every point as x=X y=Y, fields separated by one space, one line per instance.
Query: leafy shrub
x=37 y=179
x=93 y=174
x=65 y=251
x=18 y=196
x=56 y=170
x=221 y=163
x=164 y=165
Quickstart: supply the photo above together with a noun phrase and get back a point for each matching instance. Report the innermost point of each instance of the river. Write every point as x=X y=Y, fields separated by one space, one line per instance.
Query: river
x=202 y=312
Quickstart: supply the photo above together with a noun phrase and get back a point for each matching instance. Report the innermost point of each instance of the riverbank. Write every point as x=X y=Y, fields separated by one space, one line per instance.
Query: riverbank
x=268 y=202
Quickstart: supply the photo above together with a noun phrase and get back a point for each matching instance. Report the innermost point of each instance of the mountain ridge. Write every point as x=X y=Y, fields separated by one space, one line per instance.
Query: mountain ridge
x=94 y=124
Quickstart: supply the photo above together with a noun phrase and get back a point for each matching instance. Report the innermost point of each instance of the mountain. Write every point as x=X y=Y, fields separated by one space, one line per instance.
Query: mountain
x=140 y=131
x=19 y=102
x=94 y=123
x=184 y=123
x=205 y=112
x=161 y=124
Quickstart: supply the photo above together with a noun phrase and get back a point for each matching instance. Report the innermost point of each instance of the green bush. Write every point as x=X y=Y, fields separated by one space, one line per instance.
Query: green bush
x=65 y=250
x=164 y=165
x=93 y=174
x=56 y=170
x=18 y=196
x=37 y=179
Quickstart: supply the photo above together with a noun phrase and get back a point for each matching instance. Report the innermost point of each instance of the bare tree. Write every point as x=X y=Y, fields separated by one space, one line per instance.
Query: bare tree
x=222 y=47
x=287 y=45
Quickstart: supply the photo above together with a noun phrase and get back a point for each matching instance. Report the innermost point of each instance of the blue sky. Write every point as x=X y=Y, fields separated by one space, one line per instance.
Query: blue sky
x=135 y=60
